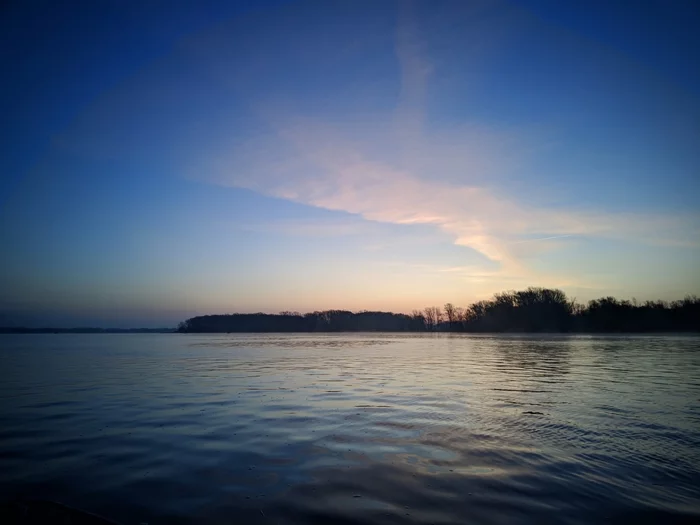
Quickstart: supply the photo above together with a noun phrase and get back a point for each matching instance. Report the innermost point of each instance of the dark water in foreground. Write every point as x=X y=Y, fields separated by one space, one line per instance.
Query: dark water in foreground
x=361 y=428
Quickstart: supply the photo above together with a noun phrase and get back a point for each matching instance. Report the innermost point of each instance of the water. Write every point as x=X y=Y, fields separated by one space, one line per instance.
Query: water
x=359 y=428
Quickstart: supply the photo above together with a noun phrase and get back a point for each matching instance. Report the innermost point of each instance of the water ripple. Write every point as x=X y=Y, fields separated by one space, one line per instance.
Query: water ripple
x=355 y=428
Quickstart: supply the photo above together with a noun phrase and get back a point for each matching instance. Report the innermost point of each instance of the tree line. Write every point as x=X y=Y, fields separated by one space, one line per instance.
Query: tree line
x=531 y=310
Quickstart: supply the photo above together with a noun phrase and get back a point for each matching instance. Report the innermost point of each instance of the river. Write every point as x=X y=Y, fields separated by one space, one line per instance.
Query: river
x=354 y=428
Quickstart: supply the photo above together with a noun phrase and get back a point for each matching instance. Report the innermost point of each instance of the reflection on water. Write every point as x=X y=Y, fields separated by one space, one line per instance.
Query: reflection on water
x=358 y=428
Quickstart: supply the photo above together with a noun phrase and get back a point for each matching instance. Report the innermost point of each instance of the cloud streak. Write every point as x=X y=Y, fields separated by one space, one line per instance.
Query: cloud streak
x=543 y=239
x=395 y=165
x=327 y=167
x=392 y=169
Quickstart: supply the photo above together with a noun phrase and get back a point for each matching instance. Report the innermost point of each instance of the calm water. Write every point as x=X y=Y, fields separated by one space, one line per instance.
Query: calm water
x=361 y=428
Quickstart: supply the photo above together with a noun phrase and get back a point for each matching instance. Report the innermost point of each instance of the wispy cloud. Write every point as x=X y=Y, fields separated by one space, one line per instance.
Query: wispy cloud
x=392 y=168
x=332 y=168
x=399 y=166
x=543 y=239
x=482 y=281
x=311 y=228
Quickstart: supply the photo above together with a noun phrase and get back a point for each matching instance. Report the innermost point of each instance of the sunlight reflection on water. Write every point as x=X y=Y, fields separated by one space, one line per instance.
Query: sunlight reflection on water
x=354 y=428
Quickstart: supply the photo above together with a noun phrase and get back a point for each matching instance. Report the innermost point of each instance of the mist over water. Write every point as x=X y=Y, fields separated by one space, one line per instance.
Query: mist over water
x=354 y=428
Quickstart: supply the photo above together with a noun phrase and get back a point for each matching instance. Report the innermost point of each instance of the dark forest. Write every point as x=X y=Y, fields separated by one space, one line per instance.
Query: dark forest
x=531 y=310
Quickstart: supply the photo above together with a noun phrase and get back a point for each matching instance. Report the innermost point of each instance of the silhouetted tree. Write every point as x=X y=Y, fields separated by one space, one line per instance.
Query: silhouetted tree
x=460 y=317
x=419 y=320
x=531 y=310
x=433 y=316
x=450 y=314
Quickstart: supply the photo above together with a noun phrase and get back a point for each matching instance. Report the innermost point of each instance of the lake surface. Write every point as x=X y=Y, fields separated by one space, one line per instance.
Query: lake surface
x=354 y=428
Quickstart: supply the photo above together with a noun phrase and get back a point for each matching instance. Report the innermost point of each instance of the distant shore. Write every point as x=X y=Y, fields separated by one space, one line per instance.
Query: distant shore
x=108 y=331
x=25 y=330
x=535 y=310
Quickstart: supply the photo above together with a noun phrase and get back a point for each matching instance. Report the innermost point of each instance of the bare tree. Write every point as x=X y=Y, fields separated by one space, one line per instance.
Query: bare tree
x=433 y=316
x=459 y=316
x=428 y=314
x=450 y=314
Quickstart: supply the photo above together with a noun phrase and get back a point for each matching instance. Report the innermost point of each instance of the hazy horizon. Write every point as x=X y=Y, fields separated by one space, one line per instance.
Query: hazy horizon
x=168 y=161
x=159 y=320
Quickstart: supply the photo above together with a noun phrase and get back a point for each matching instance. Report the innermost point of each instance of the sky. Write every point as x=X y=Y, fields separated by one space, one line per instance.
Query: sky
x=169 y=159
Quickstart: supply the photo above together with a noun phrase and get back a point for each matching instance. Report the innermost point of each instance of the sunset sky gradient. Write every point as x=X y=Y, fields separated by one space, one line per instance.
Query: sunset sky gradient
x=165 y=161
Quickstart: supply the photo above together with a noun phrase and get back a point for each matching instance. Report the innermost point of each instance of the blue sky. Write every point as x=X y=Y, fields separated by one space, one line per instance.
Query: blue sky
x=171 y=160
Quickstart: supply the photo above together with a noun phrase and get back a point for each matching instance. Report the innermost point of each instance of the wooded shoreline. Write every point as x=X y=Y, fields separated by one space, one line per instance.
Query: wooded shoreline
x=535 y=310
